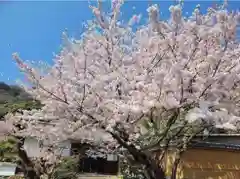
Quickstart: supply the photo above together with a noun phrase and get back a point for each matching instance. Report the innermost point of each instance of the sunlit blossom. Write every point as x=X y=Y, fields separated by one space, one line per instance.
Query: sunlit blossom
x=114 y=79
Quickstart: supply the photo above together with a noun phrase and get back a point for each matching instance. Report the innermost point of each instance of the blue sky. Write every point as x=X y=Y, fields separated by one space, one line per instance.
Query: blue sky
x=34 y=28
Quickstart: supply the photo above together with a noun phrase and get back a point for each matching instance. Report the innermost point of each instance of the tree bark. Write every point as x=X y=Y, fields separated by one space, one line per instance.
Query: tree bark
x=152 y=170
x=28 y=166
x=174 y=168
x=176 y=164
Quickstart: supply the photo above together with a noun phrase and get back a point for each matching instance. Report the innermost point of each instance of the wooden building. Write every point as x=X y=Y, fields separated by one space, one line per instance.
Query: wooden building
x=217 y=157
x=104 y=166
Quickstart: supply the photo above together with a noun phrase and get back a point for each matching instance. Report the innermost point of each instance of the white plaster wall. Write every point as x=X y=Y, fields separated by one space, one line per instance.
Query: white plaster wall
x=32 y=147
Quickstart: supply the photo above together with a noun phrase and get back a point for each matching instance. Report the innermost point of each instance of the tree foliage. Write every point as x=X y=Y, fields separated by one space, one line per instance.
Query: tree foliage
x=67 y=169
x=179 y=77
x=13 y=98
x=8 y=152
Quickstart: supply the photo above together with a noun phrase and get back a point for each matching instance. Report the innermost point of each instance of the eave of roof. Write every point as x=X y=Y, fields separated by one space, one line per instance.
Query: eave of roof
x=215 y=145
x=219 y=135
x=208 y=142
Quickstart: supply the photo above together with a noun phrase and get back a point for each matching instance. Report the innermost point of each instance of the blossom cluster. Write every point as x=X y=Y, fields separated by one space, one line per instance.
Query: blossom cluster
x=116 y=76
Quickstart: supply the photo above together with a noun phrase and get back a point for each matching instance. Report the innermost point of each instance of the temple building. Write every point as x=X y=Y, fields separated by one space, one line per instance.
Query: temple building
x=216 y=157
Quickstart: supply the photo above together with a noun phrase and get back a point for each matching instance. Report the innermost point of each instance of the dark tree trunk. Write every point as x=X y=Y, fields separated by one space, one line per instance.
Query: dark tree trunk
x=174 y=169
x=27 y=165
x=152 y=170
x=176 y=164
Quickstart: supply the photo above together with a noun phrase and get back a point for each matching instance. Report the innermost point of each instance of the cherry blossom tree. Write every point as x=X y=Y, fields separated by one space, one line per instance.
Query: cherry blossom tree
x=43 y=165
x=179 y=77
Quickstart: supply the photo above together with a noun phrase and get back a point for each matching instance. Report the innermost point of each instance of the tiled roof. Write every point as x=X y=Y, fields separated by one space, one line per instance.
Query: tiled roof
x=214 y=141
x=7 y=169
x=215 y=145
x=218 y=141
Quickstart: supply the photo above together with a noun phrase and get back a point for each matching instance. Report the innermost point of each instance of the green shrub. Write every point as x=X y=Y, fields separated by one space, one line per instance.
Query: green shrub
x=67 y=168
x=8 y=151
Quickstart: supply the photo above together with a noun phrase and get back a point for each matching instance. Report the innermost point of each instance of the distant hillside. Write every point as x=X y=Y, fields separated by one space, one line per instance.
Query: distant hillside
x=13 y=97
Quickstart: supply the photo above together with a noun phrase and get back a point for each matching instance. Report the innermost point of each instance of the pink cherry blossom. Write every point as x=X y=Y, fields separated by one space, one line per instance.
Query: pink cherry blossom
x=113 y=81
